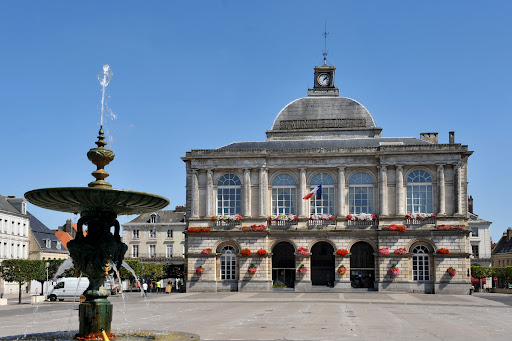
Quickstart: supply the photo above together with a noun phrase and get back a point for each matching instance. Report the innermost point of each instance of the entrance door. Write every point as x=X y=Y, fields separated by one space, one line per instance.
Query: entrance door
x=283 y=265
x=322 y=264
x=362 y=266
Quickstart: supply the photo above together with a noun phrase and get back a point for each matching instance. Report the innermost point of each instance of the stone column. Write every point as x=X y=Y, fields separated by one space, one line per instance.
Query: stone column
x=383 y=191
x=341 y=192
x=302 y=192
x=195 y=195
x=400 y=207
x=441 y=190
x=247 y=193
x=209 y=193
x=263 y=191
x=458 y=189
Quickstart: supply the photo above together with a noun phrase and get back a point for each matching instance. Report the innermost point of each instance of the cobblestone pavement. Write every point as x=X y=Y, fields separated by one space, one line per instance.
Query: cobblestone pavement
x=286 y=316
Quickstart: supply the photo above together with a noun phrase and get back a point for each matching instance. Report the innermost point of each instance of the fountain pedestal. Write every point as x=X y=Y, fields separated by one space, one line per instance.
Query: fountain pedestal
x=94 y=316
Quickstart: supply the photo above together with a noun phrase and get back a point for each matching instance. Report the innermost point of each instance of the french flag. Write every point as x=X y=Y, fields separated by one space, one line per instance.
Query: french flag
x=317 y=190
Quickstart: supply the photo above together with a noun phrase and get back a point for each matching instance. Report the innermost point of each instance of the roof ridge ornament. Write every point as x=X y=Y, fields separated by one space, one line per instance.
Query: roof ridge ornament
x=325 y=34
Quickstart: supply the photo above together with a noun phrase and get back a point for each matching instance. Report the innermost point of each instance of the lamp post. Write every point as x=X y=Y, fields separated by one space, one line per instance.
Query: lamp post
x=46 y=291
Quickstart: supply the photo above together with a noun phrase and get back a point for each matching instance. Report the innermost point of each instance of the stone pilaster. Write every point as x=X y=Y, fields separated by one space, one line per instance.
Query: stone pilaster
x=209 y=193
x=383 y=190
x=399 y=184
x=458 y=189
x=195 y=195
x=341 y=192
x=302 y=192
x=441 y=190
x=263 y=192
x=247 y=193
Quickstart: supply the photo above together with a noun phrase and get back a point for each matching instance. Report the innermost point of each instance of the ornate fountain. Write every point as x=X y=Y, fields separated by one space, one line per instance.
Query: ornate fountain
x=94 y=254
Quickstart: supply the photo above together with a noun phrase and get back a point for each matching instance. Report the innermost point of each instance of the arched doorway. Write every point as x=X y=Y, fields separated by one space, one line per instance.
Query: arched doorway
x=283 y=265
x=322 y=264
x=362 y=266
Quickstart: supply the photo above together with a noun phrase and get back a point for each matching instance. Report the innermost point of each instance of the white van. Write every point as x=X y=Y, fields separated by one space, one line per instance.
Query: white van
x=69 y=287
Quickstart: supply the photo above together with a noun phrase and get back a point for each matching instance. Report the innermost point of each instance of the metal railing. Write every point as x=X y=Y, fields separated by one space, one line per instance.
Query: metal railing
x=409 y=222
x=321 y=223
x=227 y=223
x=362 y=222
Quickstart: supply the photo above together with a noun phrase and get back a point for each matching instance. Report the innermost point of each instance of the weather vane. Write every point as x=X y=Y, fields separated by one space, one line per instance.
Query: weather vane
x=325 y=34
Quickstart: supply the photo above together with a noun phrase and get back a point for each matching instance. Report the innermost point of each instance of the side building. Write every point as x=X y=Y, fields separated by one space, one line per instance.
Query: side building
x=384 y=213
x=44 y=244
x=14 y=234
x=156 y=237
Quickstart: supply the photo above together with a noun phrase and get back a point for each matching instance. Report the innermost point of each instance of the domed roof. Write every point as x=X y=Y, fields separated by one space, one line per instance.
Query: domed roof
x=323 y=115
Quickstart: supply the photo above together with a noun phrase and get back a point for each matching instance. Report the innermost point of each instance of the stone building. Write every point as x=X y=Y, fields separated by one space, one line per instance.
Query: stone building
x=369 y=184
x=502 y=252
x=14 y=234
x=156 y=237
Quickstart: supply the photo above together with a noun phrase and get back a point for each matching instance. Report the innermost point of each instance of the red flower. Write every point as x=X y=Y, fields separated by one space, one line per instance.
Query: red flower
x=246 y=252
x=443 y=251
x=342 y=252
x=262 y=253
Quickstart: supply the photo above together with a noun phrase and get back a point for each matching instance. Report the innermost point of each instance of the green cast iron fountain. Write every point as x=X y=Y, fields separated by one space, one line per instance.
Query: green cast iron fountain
x=94 y=254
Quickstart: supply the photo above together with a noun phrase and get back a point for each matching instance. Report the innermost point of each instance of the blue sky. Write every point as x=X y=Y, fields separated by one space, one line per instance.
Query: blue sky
x=201 y=74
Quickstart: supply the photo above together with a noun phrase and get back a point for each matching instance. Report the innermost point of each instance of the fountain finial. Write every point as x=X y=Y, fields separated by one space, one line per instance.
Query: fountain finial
x=100 y=156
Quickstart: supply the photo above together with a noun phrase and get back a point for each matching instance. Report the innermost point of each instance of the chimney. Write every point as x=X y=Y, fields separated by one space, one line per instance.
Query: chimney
x=470 y=204
x=509 y=233
x=452 y=137
x=429 y=137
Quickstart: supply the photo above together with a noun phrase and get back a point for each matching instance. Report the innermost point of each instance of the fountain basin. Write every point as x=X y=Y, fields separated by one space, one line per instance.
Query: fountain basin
x=142 y=335
x=90 y=199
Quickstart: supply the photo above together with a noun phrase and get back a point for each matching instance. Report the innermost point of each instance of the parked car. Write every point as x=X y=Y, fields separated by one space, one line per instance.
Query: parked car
x=68 y=287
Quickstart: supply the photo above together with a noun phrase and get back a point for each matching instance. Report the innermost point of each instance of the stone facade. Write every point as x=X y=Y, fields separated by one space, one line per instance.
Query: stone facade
x=331 y=141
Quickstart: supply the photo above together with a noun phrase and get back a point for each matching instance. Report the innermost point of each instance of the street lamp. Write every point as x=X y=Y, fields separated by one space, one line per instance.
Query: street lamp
x=46 y=291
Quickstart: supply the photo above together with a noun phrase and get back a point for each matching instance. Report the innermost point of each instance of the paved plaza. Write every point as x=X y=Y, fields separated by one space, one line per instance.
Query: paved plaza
x=285 y=316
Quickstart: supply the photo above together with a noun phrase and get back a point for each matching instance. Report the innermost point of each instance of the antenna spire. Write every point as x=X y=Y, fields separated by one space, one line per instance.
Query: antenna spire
x=325 y=34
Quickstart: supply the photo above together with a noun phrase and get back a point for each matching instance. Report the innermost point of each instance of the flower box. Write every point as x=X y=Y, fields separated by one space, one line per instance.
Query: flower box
x=302 y=251
x=200 y=270
x=419 y=216
x=302 y=269
x=362 y=217
x=252 y=269
x=262 y=253
x=342 y=252
x=401 y=251
x=246 y=252
x=394 y=271
x=443 y=251
x=198 y=229
x=254 y=228
x=384 y=251
x=229 y=217
x=394 y=227
x=283 y=217
x=451 y=271
x=207 y=251
x=342 y=269
x=450 y=227
x=322 y=217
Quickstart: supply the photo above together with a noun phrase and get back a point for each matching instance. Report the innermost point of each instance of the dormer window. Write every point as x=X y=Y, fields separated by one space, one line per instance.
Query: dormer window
x=48 y=243
x=153 y=218
x=59 y=245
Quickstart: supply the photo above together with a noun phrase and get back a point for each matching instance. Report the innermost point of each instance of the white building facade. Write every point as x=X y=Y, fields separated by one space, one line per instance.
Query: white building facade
x=357 y=233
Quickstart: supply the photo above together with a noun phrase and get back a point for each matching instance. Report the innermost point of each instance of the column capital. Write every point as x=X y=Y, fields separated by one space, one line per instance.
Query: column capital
x=195 y=170
x=400 y=167
x=341 y=168
x=440 y=167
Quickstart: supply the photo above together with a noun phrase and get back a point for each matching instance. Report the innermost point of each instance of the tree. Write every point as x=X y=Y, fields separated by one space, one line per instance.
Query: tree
x=18 y=270
x=480 y=272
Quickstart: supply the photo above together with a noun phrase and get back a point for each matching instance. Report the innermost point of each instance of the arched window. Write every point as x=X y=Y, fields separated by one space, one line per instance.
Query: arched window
x=419 y=192
x=284 y=195
x=360 y=193
x=228 y=263
x=420 y=263
x=228 y=195
x=325 y=204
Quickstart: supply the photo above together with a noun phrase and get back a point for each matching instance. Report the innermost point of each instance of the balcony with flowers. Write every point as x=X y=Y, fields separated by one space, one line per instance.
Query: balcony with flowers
x=321 y=220
x=420 y=219
x=362 y=219
x=227 y=221
x=282 y=221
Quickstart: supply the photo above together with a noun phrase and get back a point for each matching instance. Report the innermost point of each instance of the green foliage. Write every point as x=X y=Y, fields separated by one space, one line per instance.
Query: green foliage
x=152 y=271
x=135 y=265
x=480 y=272
x=18 y=270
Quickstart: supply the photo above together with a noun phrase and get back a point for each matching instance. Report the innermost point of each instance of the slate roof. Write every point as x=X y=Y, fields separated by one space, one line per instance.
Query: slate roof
x=475 y=219
x=166 y=216
x=6 y=206
x=327 y=143
x=505 y=244
x=42 y=233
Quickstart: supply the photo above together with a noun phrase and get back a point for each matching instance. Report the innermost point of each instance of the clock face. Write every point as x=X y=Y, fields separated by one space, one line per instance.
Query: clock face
x=324 y=79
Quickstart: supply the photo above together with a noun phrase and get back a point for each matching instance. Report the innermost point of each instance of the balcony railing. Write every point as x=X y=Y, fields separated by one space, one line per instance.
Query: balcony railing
x=409 y=222
x=321 y=223
x=363 y=223
x=227 y=223
x=148 y=256
x=282 y=223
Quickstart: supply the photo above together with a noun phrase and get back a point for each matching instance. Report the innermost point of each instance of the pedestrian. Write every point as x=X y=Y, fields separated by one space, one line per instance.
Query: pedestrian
x=145 y=289
x=158 y=286
x=178 y=282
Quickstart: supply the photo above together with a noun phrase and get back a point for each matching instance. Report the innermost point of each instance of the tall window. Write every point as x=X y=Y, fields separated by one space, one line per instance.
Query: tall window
x=227 y=263
x=153 y=218
x=419 y=192
x=228 y=195
x=135 y=251
x=284 y=195
x=474 y=231
x=152 y=251
x=475 y=250
x=324 y=205
x=420 y=263
x=135 y=234
x=169 y=233
x=360 y=193
x=168 y=251
x=152 y=234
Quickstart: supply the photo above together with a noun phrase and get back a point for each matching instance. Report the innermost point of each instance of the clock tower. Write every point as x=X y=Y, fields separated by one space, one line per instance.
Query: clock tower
x=324 y=81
